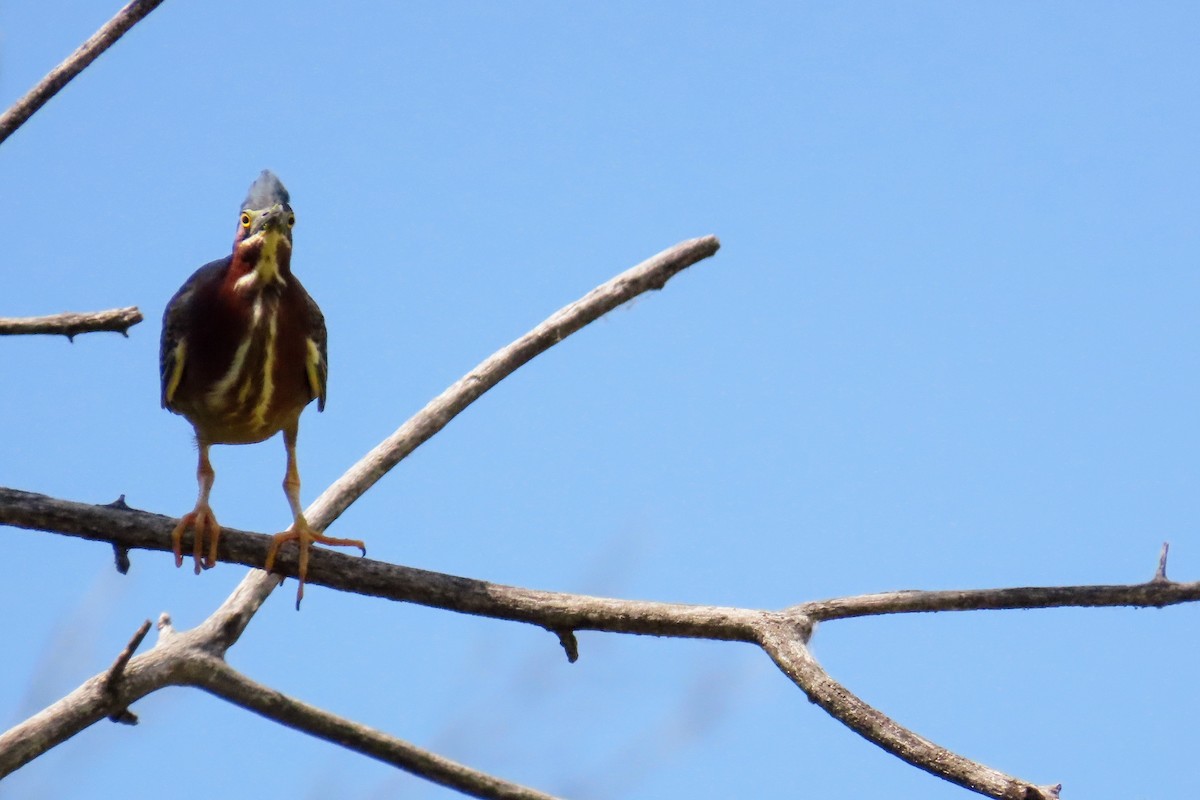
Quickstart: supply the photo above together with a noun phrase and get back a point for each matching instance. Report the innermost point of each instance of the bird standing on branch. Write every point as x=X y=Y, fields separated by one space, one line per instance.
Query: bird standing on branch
x=242 y=353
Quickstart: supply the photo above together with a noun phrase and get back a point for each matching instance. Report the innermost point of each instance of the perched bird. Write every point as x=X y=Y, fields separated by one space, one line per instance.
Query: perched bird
x=242 y=353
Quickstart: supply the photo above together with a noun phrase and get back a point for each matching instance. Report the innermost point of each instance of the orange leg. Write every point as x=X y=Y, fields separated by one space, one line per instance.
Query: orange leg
x=201 y=520
x=301 y=532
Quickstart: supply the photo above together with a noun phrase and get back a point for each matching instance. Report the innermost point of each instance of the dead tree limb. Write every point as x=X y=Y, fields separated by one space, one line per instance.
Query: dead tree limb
x=85 y=54
x=73 y=323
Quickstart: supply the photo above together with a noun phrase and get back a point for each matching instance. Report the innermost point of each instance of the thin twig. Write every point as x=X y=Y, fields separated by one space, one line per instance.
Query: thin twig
x=71 y=323
x=1155 y=594
x=75 y=63
x=227 y=683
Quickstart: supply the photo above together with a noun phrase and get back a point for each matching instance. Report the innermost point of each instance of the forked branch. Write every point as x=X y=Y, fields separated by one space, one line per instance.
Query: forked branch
x=782 y=634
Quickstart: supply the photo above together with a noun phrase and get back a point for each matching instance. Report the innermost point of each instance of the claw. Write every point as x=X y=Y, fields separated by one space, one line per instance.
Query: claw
x=205 y=529
x=304 y=535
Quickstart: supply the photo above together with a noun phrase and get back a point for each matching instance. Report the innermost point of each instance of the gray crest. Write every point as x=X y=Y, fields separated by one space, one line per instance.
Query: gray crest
x=265 y=192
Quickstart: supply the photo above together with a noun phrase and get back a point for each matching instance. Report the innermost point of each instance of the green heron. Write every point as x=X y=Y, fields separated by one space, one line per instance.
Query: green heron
x=242 y=353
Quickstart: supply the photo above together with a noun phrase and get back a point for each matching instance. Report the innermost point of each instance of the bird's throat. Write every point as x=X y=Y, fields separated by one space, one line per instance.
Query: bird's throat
x=266 y=258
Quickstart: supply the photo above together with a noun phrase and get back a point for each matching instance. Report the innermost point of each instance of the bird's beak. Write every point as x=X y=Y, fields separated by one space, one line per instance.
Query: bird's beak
x=274 y=220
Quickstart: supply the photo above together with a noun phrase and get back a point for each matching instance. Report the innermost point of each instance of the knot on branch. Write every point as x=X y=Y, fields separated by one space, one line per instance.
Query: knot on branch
x=1038 y=792
x=798 y=624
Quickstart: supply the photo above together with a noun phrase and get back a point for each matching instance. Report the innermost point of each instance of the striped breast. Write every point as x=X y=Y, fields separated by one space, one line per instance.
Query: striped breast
x=261 y=389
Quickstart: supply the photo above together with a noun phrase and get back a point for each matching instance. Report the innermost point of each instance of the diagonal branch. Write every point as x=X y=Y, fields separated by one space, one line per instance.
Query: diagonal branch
x=227 y=683
x=60 y=76
x=73 y=323
x=786 y=647
x=653 y=273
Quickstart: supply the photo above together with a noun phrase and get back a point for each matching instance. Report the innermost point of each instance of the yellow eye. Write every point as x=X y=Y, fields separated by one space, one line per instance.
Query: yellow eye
x=245 y=219
x=291 y=220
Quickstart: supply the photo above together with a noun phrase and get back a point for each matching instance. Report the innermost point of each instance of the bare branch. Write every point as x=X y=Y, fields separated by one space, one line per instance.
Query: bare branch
x=96 y=699
x=1139 y=595
x=191 y=658
x=782 y=634
x=786 y=647
x=72 y=323
x=653 y=273
x=554 y=611
x=227 y=683
x=75 y=63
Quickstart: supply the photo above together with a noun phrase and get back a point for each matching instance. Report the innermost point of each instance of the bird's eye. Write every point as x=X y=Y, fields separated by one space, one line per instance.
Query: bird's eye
x=291 y=220
x=245 y=219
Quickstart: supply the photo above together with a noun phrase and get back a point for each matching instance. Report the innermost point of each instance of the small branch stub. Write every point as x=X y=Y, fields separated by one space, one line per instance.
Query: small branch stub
x=1160 y=575
x=116 y=671
x=120 y=553
x=570 y=645
x=121 y=559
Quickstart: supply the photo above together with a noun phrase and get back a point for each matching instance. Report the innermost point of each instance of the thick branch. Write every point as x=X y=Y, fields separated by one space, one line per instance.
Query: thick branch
x=786 y=647
x=75 y=63
x=71 y=323
x=555 y=611
x=132 y=529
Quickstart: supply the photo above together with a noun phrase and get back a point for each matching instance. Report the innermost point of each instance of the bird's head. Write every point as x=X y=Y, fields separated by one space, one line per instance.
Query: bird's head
x=263 y=242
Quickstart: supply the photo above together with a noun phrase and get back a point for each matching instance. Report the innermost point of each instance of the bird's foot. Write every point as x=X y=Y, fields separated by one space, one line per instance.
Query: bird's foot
x=305 y=535
x=205 y=530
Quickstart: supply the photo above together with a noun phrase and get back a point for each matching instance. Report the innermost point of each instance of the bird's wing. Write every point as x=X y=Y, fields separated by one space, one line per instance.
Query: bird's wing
x=172 y=349
x=317 y=357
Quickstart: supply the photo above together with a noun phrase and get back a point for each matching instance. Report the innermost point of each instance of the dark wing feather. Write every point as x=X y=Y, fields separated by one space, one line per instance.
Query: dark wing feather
x=317 y=333
x=176 y=319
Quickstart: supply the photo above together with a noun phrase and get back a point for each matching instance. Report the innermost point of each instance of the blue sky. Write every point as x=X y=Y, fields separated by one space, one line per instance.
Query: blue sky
x=948 y=342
